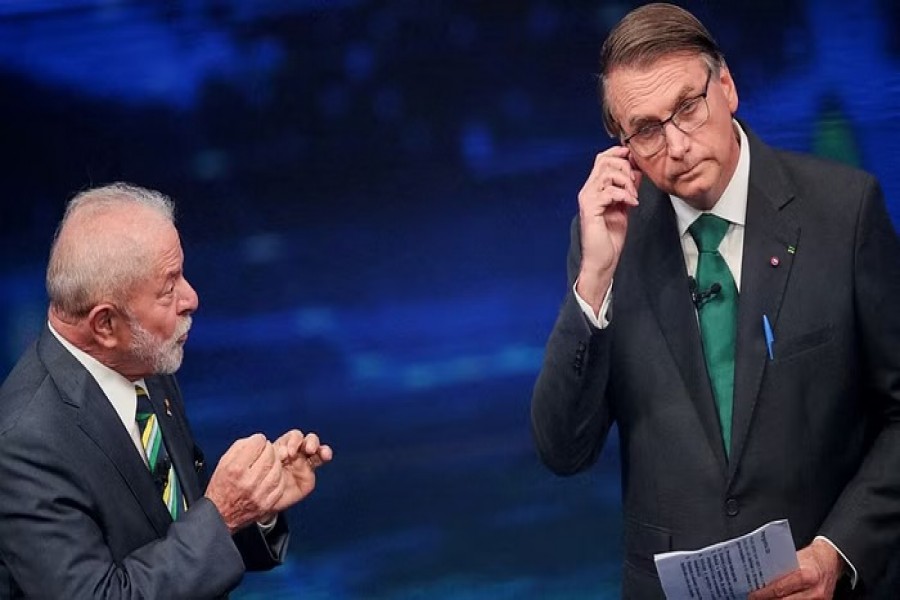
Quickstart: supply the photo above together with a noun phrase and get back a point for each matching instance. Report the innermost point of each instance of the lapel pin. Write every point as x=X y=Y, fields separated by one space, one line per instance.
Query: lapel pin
x=791 y=249
x=774 y=261
x=168 y=407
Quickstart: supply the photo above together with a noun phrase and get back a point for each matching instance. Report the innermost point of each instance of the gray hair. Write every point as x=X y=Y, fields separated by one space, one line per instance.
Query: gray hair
x=647 y=34
x=87 y=267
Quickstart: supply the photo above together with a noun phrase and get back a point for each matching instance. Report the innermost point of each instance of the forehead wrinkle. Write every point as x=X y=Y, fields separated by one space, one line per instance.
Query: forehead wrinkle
x=652 y=94
x=655 y=116
x=685 y=93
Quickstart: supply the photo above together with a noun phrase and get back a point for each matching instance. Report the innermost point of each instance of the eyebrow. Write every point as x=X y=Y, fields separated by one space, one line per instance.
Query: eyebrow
x=170 y=275
x=641 y=121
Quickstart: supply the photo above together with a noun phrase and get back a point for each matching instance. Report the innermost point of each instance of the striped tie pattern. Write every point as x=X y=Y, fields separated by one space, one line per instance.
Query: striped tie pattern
x=157 y=458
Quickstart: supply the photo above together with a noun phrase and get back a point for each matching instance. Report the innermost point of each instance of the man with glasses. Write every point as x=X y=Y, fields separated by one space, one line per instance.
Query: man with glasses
x=732 y=309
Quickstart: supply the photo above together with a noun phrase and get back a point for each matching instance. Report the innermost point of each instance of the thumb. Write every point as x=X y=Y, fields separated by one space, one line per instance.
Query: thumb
x=244 y=452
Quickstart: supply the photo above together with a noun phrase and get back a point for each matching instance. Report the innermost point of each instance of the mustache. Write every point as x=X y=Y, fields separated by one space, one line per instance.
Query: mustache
x=182 y=327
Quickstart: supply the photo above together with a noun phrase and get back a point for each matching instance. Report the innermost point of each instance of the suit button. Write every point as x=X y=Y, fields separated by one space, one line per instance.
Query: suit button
x=732 y=508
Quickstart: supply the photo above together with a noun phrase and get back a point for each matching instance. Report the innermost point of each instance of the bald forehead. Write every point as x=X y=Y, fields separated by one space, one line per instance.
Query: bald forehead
x=113 y=220
x=109 y=237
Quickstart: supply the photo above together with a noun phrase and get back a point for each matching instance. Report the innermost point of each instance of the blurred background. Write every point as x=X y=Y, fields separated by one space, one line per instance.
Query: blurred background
x=374 y=200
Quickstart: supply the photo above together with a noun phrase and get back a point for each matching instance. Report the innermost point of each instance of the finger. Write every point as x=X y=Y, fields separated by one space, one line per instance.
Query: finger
x=267 y=480
x=245 y=451
x=791 y=583
x=608 y=177
x=766 y=593
x=295 y=441
x=325 y=453
x=611 y=198
x=271 y=489
x=612 y=158
x=621 y=179
x=291 y=438
x=322 y=456
x=266 y=459
x=288 y=445
x=281 y=451
x=616 y=151
x=310 y=444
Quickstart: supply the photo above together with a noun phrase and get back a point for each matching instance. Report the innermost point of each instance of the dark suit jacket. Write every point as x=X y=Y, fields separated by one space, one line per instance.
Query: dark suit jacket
x=80 y=516
x=816 y=430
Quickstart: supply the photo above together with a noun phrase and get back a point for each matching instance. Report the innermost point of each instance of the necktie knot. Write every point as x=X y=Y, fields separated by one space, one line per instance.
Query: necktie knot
x=708 y=231
x=144 y=408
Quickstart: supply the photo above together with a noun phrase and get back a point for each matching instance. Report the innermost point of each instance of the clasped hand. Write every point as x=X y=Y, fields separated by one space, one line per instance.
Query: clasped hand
x=256 y=479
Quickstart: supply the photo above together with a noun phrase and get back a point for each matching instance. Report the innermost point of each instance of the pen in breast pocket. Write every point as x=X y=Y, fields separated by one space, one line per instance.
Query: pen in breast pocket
x=770 y=337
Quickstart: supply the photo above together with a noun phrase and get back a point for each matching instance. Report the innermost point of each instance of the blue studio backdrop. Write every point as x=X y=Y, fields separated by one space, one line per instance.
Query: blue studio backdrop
x=374 y=200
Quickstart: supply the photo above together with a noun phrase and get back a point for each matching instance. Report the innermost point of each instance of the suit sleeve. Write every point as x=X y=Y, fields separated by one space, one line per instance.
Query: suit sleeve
x=54 y=547
x=864 y=523
x=570 y=413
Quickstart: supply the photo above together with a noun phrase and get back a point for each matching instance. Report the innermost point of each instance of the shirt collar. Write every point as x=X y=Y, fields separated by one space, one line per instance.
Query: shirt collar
x=732 y=206
x=117 y=389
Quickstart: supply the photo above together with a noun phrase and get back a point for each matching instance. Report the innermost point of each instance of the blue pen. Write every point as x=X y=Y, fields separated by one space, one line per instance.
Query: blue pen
x=770 y=337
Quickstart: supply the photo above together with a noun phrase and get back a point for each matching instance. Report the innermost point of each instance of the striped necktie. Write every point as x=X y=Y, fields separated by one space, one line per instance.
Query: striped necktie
x=157 y=458
x=718 y=316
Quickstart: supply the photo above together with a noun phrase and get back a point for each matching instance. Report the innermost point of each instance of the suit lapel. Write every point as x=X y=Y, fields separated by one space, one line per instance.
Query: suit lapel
x=669 y=294
x=98 y=420
x=181 y=452
x=768 y=235
x=101 y=423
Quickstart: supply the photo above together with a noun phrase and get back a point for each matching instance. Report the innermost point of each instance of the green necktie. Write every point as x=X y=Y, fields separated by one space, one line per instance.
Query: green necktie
x=161 y=467
x=718 y=316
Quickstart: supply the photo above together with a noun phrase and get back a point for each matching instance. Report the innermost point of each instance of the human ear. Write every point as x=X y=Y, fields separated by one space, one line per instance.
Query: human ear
x=729 y=89
x=106 y=323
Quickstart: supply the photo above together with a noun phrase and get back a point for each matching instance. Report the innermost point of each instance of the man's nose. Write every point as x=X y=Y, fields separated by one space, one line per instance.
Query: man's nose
x=676 y=141
x=188 y=298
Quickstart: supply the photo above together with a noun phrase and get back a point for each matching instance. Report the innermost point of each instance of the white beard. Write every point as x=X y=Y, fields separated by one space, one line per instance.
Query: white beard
x=165 y=356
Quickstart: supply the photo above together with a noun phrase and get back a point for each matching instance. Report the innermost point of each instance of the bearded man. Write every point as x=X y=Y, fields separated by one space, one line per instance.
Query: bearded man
x=102 y=490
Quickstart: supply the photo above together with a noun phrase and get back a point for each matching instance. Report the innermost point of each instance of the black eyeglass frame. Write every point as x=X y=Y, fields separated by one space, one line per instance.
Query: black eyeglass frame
x=673 y=119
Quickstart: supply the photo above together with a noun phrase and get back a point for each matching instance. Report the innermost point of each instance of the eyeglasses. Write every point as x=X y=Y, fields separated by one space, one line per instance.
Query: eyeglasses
x=691 y=115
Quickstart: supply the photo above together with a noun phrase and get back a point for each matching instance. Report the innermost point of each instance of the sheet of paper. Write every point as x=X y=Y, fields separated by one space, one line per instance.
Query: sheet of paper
x=729 y=570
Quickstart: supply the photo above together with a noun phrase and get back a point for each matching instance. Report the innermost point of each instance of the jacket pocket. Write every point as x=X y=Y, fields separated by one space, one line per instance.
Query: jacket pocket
x=804 y=342
x=642 y=541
